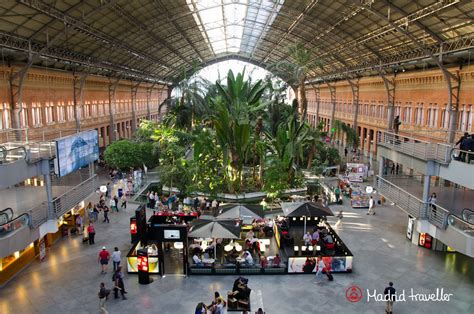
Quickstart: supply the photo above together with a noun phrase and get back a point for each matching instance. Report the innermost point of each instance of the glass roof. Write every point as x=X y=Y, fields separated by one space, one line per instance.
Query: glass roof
x=234 y=26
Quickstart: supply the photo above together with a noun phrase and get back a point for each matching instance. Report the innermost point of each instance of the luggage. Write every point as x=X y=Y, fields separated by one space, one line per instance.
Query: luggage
x=330 y=277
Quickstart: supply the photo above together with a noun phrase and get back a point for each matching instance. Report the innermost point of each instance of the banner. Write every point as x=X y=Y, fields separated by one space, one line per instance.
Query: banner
x=335 y=264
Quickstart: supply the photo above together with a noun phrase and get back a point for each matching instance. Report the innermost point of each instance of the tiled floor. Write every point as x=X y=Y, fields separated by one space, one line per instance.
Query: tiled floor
x=67 y=281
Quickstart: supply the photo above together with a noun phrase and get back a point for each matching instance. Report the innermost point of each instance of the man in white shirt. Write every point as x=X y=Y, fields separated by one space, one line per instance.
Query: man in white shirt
x=248 y=258
x=371 y=206
x=116 y=258
x=197 y=261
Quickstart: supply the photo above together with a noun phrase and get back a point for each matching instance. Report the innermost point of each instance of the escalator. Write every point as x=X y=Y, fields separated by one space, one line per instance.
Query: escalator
x=6 y=215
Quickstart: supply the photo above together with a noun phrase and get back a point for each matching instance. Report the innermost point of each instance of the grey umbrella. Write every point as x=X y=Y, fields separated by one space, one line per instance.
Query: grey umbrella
x=212 y=227
x=238 y=211
x=305 y=209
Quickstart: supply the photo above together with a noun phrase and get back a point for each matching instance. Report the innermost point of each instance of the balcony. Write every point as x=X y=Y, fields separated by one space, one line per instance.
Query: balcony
x=436 y=220
x=416 y=148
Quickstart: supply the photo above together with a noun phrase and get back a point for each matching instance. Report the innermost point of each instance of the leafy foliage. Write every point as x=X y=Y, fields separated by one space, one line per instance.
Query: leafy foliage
x=126 y=154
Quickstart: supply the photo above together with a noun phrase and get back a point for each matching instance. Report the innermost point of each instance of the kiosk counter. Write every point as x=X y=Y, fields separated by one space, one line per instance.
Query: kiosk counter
x=132 y=259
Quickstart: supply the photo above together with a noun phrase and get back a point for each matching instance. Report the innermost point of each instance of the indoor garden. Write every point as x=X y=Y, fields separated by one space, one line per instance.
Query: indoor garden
x=232 y=136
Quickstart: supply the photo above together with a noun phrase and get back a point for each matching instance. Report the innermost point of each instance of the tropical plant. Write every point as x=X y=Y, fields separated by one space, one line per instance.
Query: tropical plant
x=342 y=128
x=295 y=72
x=233 y=107
x=126 y=154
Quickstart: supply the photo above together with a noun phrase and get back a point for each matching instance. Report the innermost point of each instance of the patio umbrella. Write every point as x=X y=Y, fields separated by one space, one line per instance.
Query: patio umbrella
x=212 y=227
x=238 y=211
x=305 y=209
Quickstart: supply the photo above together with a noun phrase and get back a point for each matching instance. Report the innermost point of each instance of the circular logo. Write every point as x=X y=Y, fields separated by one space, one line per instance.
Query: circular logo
x=353 y=294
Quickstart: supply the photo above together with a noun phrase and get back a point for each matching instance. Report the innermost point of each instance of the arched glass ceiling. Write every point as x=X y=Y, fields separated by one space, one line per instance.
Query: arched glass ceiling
x=234 y=26
x=218 y=72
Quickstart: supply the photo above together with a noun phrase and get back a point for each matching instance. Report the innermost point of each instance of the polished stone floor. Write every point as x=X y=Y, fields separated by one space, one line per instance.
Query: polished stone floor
x=67 y=281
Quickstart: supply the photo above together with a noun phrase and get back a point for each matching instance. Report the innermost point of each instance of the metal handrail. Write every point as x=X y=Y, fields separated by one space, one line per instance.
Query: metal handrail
x=74 y=196
x=415 y=147
x=14 y=154
x=407 y=202
x=461 y=224
x=38 y=215
x=462 y=155
x=11 y=226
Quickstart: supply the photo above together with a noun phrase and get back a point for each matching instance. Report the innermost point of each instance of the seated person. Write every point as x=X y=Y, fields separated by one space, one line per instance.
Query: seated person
x=248 y=258
x=249 y=235
x=307 y=238
x=263 y=261
x=315 y=237
x=328 y=238
x=276 y=261
x=196 y=260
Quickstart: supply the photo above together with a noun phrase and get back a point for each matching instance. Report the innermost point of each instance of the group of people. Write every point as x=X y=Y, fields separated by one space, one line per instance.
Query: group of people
x=117 y=277
x=319 y=237
x=216 y=306
x=466 y=145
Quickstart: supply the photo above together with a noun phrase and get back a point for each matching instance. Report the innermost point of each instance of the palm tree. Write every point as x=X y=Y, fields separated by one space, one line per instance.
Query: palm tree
x=233 y=107
x=296 y=71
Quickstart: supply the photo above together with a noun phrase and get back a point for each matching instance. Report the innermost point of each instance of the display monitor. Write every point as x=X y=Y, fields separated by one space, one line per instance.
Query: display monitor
x=76 y=151
x=171 y=234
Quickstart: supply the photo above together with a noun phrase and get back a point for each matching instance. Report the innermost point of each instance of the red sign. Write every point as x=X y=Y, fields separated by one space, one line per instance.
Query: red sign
x=425 y=240
x=133 y=227
x=143 y=263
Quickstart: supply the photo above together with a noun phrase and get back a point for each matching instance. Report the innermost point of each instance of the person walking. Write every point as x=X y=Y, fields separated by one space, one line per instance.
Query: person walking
x=124 y=202
x=104 y=257
x=106 y=214
x=392 y=169
x=116 y=200
x=79 y=224
x=91 y=233
x=390 y=295
x=107 y=191
x=116 y=258
x=119 y=285
x=103 y=295
x=337 y=191
x=397 y=169
x=319 y=270
x=345 y=152
x=339 y=220
x=111 y=204
x=371 y=206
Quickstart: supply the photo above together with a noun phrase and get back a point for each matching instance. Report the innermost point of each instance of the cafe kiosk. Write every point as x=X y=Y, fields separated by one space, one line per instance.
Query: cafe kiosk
x=171 y=241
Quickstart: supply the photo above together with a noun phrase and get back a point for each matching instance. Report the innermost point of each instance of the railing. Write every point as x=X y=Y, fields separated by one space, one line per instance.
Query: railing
x=13 y=154
x=438 y=215
x=62 y=204
x=461 y=224
x=41 y=150
x=15 y=224
x=466 y=156
x=415 y=147
x=38 y=215
x=407 y=202
x=25 y=136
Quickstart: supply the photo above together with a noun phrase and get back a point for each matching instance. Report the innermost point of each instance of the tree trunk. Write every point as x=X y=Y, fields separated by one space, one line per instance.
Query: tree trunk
x=302 y=96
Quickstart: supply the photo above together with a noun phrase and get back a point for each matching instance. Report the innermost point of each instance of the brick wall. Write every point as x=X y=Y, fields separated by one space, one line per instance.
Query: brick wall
x=48 y=100
x=420 y=100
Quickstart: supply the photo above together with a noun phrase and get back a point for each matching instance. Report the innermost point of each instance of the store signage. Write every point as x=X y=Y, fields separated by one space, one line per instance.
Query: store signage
x=425 y=240
x=142 y=261
x=133 y=226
